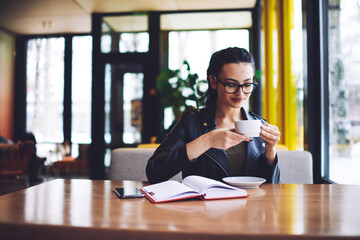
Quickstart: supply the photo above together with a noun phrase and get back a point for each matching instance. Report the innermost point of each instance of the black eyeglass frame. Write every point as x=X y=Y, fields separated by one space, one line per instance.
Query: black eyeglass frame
x=237 y=85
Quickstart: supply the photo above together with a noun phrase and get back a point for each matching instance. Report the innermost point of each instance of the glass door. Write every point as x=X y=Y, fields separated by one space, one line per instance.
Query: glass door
x=123 y=103
x=124 y=114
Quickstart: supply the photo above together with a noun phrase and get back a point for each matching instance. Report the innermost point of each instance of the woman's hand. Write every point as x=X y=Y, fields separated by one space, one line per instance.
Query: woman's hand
x=271 y=136
x=221 y=138
x=224 y=138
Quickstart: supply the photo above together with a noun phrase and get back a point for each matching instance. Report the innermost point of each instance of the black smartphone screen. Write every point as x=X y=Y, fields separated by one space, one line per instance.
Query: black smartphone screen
x=128 y=192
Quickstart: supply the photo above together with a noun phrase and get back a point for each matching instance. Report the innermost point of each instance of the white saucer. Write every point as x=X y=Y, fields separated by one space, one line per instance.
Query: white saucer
x=244 y=182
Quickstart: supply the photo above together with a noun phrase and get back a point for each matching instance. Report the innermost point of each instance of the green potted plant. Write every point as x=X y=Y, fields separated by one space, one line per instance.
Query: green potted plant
x=180 y=88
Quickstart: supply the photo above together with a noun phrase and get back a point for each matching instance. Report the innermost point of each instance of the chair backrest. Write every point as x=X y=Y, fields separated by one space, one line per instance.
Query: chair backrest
x=130 y=164
x=295 y=167
x=15 y=158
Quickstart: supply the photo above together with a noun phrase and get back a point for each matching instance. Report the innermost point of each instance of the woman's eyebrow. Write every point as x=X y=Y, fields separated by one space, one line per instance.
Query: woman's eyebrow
x=249 y=79
x=234 y=80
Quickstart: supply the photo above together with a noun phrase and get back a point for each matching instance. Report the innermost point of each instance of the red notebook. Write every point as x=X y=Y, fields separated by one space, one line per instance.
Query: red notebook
x=191 y=187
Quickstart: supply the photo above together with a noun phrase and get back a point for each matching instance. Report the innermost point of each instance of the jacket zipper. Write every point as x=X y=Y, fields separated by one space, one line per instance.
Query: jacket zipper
x=217 y=164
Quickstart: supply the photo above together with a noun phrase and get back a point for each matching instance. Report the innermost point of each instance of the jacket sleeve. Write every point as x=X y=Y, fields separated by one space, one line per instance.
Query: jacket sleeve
x=263 y=169
x=171 y=156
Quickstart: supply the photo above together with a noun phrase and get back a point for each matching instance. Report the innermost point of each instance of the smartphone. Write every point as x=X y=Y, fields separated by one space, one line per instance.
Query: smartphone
x=128 y=192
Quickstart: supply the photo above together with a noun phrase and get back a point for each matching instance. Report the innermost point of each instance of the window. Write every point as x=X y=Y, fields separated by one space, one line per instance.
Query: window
x=45 y=89
x=134 y=42
x=123 y=103
x=297 y=61
x=133 y=93
x=81 y=89
x=197 y=46
x=125 y=34
x=107 y=107
x=344 y=91
x=45 y=103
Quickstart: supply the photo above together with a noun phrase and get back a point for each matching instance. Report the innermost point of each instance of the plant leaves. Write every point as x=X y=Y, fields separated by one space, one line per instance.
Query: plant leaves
x=173 y=86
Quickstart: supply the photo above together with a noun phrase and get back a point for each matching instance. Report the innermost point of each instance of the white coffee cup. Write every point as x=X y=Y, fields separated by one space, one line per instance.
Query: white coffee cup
x=248 y=128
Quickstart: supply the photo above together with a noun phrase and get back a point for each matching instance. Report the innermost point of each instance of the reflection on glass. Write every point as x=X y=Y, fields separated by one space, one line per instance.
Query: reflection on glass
x=344 y=91
x=45 y=88
x=133 y=93
x=81 y=89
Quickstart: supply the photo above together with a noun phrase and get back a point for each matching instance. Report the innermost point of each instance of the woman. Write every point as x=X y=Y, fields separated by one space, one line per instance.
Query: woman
x=204 y=142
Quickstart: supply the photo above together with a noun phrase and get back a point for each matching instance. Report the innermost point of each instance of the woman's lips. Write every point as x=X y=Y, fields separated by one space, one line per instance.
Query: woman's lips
x=237 y=100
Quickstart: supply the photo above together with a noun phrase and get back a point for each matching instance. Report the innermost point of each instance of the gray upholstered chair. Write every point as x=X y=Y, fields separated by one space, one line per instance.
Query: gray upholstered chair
x=130 y=164
x=295 y=167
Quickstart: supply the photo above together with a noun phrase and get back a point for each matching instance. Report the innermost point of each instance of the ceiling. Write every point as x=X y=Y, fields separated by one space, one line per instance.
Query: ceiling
x=74 y=16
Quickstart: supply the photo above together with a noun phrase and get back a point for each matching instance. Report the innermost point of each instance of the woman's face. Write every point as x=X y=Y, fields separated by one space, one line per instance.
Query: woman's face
x=237 y=73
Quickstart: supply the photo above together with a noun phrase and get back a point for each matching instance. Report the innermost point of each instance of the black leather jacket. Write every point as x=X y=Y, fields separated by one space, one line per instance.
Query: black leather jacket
x=171 y=157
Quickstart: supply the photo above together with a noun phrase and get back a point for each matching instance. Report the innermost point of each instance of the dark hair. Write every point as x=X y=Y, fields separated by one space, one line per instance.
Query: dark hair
x=28 y=137
x=217 y=61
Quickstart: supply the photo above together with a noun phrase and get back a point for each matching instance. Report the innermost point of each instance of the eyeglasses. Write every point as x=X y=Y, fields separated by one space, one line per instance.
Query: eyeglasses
x=231 y=88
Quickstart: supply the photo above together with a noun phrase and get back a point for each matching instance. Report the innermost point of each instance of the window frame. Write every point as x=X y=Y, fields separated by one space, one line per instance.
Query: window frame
x=316 y=101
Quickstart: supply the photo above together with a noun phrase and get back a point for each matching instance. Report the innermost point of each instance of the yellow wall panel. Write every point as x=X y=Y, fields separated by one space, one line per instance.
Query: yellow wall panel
x=279 y=103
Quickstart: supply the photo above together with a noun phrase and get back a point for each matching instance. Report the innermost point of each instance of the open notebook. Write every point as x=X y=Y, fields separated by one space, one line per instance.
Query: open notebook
x=191 y=187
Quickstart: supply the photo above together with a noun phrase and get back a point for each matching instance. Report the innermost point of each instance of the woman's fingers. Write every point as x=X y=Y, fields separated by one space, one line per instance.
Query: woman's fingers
x=270 y=134
x=226 y=138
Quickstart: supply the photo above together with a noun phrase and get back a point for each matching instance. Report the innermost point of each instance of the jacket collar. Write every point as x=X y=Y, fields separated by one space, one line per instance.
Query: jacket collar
x=208 y=119
x=246 y=114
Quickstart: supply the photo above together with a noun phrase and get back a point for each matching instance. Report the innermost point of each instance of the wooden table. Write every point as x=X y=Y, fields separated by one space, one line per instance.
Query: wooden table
x=85 y=209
